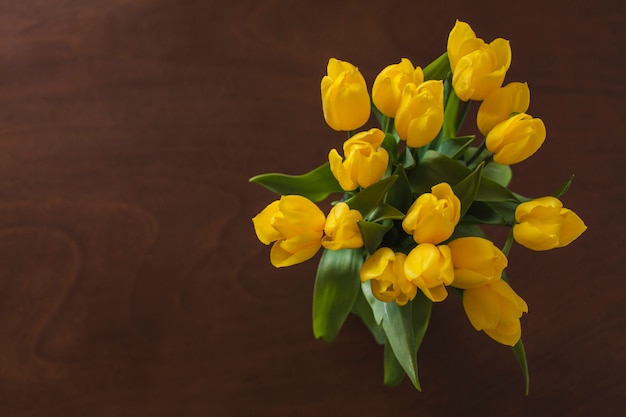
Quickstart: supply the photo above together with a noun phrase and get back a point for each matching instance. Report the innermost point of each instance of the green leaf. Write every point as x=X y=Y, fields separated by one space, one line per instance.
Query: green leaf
x=336 y=288
x=315 y=185
x=451 y=119
x=390 y=144
x=393 y=372
x=373 y=233
x=501 y=174
x=399 y=195
x=438 y=69
x=398 y=326
x=385 y=212
x=455 y=147
x=378 y=307
x=467 y=189
x=467 y=230
x=563 y=189
x=369 y=198
x=520 y=355
x=362 y=309
x=435 y=168
x=421 y=311
x=482 y=213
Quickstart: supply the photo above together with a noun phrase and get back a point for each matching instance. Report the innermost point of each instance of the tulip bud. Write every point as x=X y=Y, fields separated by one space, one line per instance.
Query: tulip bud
x=478 y=68
x=516 y=139
x=433 y=216
x=345 y=100
x=495 y=309
x=389 y=84
x=365 y=161
x=385 y=271
x=476 y=261
x=429 y=267
x=420 y=115
x=544 y=224
x=341 y=229
x=500 y=104
x=295 y=225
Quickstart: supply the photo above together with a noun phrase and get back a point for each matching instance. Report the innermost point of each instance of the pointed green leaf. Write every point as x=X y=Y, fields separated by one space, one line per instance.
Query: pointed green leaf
x=563 y=189
x=373 y=233
x=501 y=174
x=520 y=355
x=438 y=69
x=467 y=189
x=369 y=198
x=385 y=212
x=455 y=147
x=398 y=326
x=378 y=307
x=450 y=120
x=482 y=213
x=336 y=288
x=315 y=185
x=421 y=310
x=362 y=309
x=390 y=144
x=399 y=195
x=393 y=372
x=435 y=168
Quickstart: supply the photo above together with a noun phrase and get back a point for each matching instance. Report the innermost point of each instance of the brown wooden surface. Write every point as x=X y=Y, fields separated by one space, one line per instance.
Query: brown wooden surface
x=131 y=283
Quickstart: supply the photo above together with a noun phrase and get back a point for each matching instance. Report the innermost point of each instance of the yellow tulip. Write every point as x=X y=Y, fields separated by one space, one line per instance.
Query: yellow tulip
x=500 y=104
x=389 y=84
x=420 y=115
x=345 y=100
x=385 y=271
x=495 y=309
x=365 y=161
x=544 y=224
x=478 y=68
x=342 y=230
x=295 y=225
x=516 y=139
x=476 y=261
x=429 y=268
x=433 y=216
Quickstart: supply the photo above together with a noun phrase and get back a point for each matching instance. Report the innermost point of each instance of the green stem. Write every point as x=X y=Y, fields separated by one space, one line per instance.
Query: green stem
x=479 y=150
x=508 y=244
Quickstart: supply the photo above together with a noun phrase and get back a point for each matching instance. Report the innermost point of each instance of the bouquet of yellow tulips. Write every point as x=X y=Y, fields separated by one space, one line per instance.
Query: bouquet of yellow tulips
x=411 y=198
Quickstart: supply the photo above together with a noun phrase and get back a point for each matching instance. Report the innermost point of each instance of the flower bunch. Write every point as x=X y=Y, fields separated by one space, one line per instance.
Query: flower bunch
x=414 y=194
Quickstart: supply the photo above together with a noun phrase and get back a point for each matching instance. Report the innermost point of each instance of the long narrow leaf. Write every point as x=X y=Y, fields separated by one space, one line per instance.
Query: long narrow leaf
x=315 y=185
x=393 y=371
x=369 y=198
x=520 y=355
x=337 y=285
x=398 y=326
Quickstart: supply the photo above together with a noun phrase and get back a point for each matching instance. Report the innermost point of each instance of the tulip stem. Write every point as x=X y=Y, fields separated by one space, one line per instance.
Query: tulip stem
x=508 y=244
x=479 y=150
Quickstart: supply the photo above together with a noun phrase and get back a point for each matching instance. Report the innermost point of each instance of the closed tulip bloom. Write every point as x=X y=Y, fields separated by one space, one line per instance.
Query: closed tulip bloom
x=385 y=271
x=345 y=100
x=495 y=309
x=500 y=104
x=476 y=261
x=433 y=216
x=389 y=84
x=544 y=224
x=478 y=68
x=429 y=268
x=516 y=139
x=295 y=225
x=365 y=161
x=341 y=229
x=420 y=115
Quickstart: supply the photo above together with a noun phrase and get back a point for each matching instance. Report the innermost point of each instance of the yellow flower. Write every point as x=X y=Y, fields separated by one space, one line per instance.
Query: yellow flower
x=429 y=267
x=476 y=261
x=342 y=230
x=365 y=161
x=345 y=100
x=516 y=139
x=389 y=84
x=500 y=104
x=495 y=309
x=544 y=224
x=420 y=115
x=295 y=225
x=477 y=68
x=433 y=216
x=385 y=271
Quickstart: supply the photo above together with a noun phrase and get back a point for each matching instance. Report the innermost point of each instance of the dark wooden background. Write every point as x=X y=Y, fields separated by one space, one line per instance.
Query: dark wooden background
x=131 y=282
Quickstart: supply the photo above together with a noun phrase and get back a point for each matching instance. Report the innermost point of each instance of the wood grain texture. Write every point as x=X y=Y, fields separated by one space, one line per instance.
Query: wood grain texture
x=131 y=283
